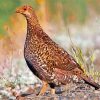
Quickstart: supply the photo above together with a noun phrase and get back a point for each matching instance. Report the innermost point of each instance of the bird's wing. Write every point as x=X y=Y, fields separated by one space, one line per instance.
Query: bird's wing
x=66 y=61
x=58 y=57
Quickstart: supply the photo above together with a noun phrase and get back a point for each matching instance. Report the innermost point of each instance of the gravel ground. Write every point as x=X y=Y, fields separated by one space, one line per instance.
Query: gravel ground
x=79 y=91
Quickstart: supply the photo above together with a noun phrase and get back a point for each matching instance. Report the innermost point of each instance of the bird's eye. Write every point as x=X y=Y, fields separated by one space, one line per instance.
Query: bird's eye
x=24 y=9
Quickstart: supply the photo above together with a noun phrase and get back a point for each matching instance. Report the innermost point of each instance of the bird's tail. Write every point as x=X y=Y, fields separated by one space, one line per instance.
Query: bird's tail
x=90 y=81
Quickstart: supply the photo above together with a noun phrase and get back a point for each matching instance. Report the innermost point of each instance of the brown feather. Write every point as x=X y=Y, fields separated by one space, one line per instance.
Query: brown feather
x=48 y=60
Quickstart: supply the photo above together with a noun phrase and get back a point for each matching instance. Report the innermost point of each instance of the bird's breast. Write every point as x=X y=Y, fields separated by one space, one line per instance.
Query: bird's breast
x=35 y=59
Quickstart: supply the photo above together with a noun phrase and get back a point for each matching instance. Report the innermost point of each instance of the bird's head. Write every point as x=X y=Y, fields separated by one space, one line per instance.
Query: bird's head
x=25 y=10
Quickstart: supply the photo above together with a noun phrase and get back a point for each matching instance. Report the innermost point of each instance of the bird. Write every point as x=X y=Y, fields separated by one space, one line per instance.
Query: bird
x=48 y=61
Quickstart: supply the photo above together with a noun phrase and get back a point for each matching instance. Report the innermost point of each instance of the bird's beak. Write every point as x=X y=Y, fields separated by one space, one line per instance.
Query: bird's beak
x=17 y=11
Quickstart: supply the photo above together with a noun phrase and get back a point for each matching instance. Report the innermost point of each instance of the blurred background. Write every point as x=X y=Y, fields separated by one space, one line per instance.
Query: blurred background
x=73 y=24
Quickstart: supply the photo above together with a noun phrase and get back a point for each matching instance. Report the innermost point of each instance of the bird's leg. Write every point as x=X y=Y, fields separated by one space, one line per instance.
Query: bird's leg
x=52 y=86
x=44 y=88
x=52 y=90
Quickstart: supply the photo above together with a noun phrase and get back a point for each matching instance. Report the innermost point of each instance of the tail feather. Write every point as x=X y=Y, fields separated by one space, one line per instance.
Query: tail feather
x=90 y=82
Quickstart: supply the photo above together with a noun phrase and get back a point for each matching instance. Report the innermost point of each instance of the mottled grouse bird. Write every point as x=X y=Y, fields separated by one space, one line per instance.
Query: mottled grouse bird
x=47 y=60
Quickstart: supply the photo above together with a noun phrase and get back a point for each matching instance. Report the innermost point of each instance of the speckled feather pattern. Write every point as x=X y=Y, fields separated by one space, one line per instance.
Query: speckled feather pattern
x=46 y=56
x=48 y=60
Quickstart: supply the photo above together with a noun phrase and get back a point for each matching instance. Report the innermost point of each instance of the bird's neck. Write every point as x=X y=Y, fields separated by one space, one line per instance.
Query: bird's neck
x=33 y=27
x=32 y=20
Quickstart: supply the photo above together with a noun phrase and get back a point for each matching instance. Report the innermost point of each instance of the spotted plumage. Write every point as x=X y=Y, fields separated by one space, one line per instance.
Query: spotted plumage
x=46 y=59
